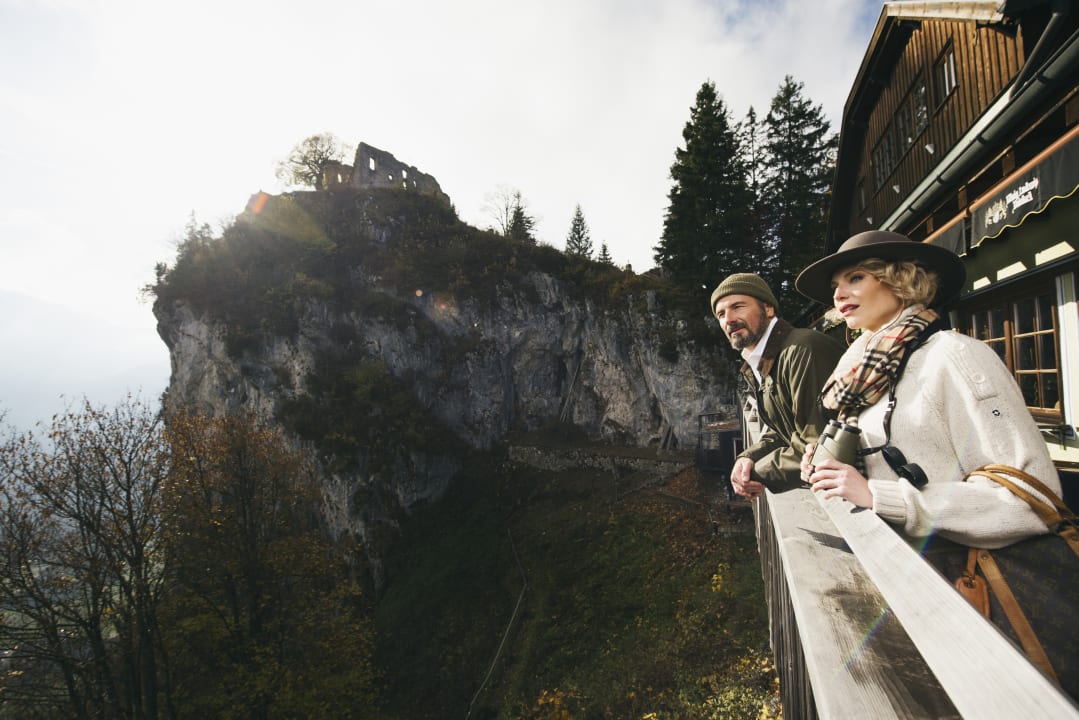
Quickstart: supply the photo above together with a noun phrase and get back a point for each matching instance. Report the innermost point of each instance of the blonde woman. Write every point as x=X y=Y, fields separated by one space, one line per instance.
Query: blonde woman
x=956 y=406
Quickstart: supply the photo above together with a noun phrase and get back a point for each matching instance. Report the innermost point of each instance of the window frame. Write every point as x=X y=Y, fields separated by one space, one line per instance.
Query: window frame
x=945 y=75
x=1011 y=335
x=909 y=121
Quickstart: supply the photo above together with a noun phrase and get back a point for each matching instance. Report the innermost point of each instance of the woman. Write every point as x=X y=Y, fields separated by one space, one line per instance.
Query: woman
x=957 y=407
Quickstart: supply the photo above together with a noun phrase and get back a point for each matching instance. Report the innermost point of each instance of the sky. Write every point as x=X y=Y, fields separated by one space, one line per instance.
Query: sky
x=120 y=120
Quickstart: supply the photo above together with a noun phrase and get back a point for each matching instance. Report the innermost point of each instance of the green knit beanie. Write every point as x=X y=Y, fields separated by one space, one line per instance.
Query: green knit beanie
x=744 y=284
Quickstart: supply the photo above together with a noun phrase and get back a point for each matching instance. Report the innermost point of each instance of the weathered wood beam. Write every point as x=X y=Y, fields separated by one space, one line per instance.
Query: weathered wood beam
x=860 y=661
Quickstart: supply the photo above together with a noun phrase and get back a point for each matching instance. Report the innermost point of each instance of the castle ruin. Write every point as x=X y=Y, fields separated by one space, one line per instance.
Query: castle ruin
x=378 y=168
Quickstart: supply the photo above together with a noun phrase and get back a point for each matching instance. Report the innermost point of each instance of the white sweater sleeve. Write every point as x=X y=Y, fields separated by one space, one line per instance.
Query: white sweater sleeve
x=958 y=409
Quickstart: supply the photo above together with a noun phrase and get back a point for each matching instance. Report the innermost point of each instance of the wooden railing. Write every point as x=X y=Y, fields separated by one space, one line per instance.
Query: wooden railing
x=862 y=627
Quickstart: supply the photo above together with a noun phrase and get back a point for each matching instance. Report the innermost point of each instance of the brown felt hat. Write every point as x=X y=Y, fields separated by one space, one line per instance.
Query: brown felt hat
x=815 y=282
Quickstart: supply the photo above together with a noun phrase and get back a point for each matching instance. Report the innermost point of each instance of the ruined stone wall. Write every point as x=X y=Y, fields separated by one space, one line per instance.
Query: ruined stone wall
x=378 y=168
x=336 y=174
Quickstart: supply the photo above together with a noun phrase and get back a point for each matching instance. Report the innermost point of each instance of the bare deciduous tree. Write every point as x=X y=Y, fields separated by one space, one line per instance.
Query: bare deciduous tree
x=511 y=218
x=81 y=570
x=307 y=161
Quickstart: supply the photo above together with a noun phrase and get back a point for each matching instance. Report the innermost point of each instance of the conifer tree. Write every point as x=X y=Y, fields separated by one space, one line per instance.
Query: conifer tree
x=706 y=231
x=800 y=160
x=753 y=142
x=579 y=241
x=521 y=223
x=605 y=255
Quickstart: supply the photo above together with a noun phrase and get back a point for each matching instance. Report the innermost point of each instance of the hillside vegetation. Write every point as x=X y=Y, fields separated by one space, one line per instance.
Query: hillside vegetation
x=529 y=594
x=307 y=246
x=522 y=593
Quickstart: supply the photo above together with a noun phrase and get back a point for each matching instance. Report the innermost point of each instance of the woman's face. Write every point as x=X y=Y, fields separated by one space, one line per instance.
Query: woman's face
x=863 y=301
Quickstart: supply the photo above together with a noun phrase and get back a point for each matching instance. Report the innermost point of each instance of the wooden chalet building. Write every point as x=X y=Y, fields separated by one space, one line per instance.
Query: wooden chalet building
x=962 y=130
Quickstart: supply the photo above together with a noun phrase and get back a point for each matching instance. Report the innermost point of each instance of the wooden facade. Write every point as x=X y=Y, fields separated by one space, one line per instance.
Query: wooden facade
x=961 y=130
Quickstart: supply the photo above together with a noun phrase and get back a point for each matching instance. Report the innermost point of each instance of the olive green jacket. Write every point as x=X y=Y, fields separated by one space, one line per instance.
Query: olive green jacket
x=795 y=365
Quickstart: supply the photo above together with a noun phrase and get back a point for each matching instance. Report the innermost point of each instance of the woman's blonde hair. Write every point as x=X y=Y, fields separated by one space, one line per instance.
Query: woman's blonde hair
x=910 y=282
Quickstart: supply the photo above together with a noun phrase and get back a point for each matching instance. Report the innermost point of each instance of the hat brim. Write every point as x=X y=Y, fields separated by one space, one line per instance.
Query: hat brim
x=815 y=282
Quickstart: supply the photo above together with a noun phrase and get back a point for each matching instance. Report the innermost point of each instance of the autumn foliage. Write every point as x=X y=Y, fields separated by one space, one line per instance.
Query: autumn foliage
x=153 y=570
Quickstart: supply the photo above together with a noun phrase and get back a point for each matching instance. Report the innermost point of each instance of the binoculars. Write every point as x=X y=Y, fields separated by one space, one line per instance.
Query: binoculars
x=841 y=442
x=838 y=442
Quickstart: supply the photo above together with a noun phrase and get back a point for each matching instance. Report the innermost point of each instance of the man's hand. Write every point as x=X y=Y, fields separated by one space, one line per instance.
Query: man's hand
x=740 y=479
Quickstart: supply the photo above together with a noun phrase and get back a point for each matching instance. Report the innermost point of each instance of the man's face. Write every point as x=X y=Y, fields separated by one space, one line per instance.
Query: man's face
x=743 y=319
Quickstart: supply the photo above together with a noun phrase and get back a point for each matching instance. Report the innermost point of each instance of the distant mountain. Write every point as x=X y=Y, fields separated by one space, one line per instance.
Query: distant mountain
x=54 y=356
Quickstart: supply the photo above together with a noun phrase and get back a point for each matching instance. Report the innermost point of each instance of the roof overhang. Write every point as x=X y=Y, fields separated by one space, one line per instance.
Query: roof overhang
x=896 y=24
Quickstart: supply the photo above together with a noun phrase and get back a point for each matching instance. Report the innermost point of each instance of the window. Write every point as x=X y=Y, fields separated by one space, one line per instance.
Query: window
x=903 y=127
x=944 y=72
x=1023 y=332
x=884 y=160
x=919 y=101
x=911 y=119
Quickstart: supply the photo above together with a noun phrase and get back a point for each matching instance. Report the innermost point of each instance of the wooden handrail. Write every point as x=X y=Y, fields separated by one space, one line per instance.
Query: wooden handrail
x=878 y=631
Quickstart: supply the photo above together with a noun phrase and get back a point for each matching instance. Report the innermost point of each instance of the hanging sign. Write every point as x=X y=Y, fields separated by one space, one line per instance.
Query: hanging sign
x=1029 y=192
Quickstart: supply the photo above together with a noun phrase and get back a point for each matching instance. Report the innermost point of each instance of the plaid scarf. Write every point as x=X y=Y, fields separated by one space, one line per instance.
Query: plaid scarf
x=850 y=390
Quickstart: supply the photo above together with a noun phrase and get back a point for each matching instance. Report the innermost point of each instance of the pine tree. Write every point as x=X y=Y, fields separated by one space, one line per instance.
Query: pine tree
x=605 y=255
x=706 y=231
x=800 y=159
x=579 y=242
x=521 y=223
x=753 y=142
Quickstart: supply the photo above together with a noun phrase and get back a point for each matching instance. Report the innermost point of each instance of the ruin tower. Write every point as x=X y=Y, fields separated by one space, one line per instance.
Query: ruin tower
x=378 y=168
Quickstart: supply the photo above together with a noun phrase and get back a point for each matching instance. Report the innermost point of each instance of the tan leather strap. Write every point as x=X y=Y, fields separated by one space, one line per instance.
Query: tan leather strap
x=1046 y=512
x=1071 y=536
x=1015 y=615
x=1057 y=517
x=1034 y=483
x=972 y=562
x=972 y=586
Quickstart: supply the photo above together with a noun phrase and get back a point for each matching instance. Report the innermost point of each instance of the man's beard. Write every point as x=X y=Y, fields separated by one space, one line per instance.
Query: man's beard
x=740 y=342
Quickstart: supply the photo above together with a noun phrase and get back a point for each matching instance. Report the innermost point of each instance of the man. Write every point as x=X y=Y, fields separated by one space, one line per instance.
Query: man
x=785 y=368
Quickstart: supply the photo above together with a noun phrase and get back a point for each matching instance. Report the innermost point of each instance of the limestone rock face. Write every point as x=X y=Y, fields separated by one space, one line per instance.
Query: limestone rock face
x=532 y=357
x=529 y=363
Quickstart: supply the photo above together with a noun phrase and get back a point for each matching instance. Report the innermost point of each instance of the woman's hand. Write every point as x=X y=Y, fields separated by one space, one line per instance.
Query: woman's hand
x=836 y=479
x=807 y=462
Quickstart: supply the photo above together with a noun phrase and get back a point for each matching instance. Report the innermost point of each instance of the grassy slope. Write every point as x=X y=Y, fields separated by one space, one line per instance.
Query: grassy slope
x=634 y=607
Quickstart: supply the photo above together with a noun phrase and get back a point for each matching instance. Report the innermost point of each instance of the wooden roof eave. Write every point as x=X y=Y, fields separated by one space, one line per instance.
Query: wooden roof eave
x=896 y=24
x=1007 y=113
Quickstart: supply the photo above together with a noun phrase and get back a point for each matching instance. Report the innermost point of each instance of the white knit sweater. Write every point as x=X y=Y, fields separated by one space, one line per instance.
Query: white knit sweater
x=957 y=408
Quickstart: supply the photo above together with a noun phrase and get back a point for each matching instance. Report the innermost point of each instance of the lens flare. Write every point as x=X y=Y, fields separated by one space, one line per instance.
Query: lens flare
x=257 y=202
x=445 y=305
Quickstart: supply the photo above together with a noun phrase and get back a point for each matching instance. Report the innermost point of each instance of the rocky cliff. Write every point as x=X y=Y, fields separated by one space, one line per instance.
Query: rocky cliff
x=331 y=320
